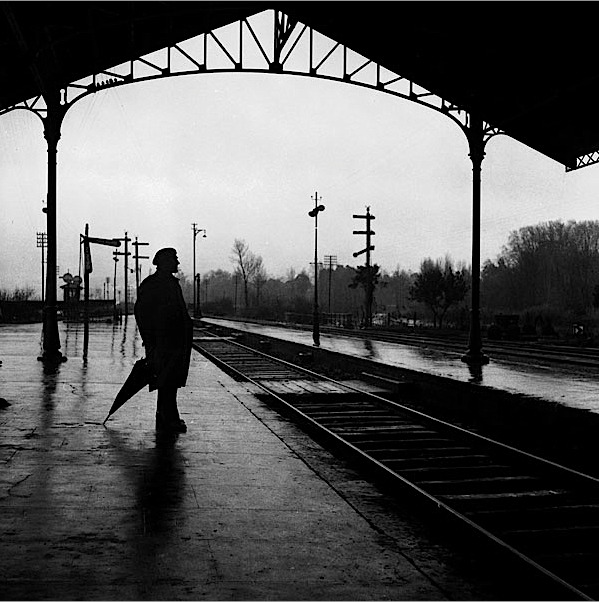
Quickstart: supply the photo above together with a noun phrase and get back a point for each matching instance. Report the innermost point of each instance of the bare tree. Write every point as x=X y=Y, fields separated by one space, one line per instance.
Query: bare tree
x=260 y=277
x=246 y=263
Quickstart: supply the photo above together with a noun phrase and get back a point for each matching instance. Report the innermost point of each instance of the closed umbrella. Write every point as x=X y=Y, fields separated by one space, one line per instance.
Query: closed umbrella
x=140 y=376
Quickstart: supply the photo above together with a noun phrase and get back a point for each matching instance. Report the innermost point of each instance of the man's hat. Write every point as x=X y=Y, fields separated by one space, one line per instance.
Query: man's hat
x=162 y=252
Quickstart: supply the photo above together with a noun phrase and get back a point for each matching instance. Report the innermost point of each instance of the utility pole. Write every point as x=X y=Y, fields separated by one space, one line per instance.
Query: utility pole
x=126 y=254
x=116 y=260
x=330 y=260
x=137 y=257
x=86 y=240
x=235 y=300
x=369 y=285
x=196 y=292
x=42 y=242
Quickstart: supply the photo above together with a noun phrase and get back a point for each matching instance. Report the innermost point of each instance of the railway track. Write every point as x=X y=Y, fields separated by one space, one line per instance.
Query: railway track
x=529 y=351
x=535 y=513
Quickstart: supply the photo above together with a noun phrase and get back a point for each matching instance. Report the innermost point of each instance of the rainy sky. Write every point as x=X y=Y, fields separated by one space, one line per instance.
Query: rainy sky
x=242 y=155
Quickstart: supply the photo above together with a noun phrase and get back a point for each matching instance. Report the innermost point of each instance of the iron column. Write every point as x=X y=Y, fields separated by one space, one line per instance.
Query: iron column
x=475 y=354
x=51 y=339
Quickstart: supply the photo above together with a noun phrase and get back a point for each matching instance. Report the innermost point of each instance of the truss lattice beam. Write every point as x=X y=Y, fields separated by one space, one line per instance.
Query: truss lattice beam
x=585 y=161
x=270 y=42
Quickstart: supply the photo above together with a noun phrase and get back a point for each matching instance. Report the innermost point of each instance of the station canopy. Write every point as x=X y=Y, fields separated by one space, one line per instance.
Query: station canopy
x=527 y=68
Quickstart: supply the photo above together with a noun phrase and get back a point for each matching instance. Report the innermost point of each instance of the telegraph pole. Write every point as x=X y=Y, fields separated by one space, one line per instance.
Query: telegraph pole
x=369 y=286
x=126 y=254
x=42 y=242
x=116 y=260
x=137 y=257
x=86 y=240
x=331 y=260
x=196 y=277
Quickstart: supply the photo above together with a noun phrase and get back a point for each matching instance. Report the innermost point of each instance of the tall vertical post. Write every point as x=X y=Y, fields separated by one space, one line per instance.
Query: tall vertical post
x=369 y=275
x=315 y=321
x=86 y=271
x=474 y=354
x=195 y=280
x=197 y=312
x=114 y=309
x=126 y=254
x=198 y=291
x=331 y=260
x=52 y=123
x=126 y=239
x=235 y=299
x=136 y=265
x=137 y=257
x=42 y=242
x=369 y=284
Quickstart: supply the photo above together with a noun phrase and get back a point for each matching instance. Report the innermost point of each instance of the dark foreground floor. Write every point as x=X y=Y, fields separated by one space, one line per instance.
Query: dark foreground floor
x=243 y=506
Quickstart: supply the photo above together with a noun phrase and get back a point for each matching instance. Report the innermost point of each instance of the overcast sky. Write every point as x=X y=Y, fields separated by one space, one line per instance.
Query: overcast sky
x=242 y=155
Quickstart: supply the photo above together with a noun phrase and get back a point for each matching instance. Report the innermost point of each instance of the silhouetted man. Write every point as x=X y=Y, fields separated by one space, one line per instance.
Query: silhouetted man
x=166 y=331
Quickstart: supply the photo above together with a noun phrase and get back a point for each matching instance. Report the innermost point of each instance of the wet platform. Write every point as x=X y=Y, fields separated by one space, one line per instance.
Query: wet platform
x=244 y=506
x=567 y=385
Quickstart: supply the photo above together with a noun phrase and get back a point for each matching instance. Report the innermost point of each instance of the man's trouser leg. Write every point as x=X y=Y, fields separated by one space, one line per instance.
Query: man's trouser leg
x=166 y=404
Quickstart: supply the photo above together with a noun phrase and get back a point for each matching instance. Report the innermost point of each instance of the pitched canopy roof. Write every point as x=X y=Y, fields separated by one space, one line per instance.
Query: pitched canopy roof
x=526 y=68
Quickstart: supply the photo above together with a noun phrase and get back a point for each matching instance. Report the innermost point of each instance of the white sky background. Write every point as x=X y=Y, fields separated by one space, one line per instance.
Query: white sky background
x=242 y=156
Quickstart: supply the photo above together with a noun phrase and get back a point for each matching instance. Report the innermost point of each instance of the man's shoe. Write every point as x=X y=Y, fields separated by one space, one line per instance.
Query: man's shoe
x=175 y=426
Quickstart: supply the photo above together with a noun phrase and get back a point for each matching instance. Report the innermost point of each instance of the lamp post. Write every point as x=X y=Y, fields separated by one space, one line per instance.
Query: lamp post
x=314 y=213
x=196 y=230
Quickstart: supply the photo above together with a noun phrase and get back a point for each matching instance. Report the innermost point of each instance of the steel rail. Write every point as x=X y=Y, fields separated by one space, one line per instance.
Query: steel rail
x=584 y=357
x=391 y=475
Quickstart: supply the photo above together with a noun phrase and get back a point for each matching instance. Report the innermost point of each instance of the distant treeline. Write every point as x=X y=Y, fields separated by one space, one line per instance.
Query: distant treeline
x=546 y=274
x=549 y=270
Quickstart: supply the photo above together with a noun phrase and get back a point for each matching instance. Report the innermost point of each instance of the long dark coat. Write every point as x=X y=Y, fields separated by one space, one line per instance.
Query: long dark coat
x=165 y=328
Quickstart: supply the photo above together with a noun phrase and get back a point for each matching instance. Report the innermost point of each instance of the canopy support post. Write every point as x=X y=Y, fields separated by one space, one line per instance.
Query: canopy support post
x=51 y=339
x=475 y=132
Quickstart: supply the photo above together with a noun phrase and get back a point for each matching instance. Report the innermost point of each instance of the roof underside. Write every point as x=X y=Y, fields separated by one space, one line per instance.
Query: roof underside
x=528 y=72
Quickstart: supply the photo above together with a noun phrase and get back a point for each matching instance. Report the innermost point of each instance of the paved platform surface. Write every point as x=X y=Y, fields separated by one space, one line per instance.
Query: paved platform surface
x=244 y=506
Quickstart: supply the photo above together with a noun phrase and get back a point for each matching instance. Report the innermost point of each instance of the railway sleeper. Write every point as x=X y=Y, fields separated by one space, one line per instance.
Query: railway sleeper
x=340 y=422
x=395 y=450
x=505 y=500
x=434 y=462
x=576 y=567
x=462 y=481
x=351 y=414
x=393 y=444
x=462 y=472
x=539 y=517
x=396 y=437
x=405 y=432
x=565 y=539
